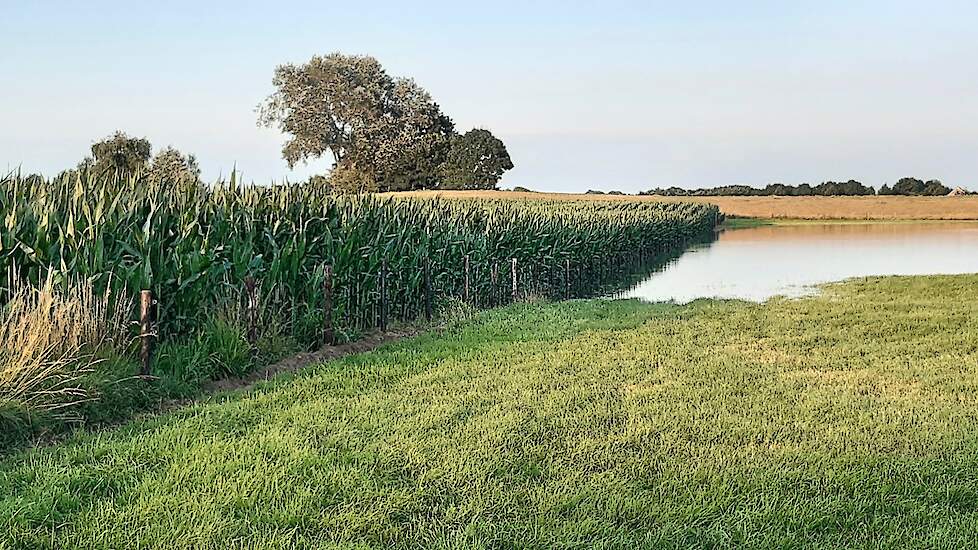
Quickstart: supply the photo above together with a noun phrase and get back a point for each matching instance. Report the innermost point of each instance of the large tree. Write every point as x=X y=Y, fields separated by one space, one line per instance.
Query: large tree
x=170 y=165
x=914 y=186
x=908 y=186
x=935 y=188
x=476 y=160
x=415 y=142
x=118 y=154
x=383 y=132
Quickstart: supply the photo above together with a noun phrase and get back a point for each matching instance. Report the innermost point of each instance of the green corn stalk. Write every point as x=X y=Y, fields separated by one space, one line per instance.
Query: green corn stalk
x=194 y=244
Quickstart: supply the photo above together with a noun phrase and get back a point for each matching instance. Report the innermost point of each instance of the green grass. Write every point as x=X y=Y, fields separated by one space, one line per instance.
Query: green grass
x=848 y=419
x=745 y=223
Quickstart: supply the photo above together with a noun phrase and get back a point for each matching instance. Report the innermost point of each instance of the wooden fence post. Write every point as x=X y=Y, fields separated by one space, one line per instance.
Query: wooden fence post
x=493 y=283
x=147 y=330
x=357 y=309
x=383 y=294
x=567 y=280
x=467 y=301
x=514 y=279
x=350 y=312
x=251 y=295
x=427 y=290
x=328 y=337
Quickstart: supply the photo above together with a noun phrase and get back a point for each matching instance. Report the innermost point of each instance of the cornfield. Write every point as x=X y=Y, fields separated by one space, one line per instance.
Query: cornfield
x=194 y=245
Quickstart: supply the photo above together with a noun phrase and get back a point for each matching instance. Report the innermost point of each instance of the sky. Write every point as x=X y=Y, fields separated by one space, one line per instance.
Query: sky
x=586 y=95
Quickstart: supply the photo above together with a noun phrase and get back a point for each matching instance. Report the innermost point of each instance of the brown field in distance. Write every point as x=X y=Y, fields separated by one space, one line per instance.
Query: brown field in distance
x=808 y=208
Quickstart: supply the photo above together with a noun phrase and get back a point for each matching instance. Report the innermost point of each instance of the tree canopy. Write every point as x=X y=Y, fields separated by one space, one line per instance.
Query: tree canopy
x=416 y=141
x=914 y=186
x=121 y=155
x=828 y=188
x=476 y=160
x=173 y=166
x=118 y=154
x=384 y=133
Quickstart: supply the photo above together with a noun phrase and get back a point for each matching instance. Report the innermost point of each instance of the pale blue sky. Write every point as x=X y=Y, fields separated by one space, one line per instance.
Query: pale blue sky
x=610 y=95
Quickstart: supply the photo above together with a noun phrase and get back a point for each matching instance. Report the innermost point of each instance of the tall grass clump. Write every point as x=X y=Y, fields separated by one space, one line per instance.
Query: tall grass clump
x=52 y=338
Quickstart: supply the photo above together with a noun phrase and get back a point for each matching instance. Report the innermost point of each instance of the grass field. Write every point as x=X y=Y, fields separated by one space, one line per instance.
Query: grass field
x=812 y=208
x=849 y=419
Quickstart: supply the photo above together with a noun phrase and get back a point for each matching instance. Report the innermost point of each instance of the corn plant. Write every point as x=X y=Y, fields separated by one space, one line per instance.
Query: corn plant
x=193 y=245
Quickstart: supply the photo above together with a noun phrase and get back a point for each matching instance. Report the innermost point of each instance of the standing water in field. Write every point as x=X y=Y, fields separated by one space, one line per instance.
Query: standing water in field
x=788 y=260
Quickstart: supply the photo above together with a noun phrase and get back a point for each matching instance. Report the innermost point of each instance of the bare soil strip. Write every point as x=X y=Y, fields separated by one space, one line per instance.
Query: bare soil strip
x=299 y=361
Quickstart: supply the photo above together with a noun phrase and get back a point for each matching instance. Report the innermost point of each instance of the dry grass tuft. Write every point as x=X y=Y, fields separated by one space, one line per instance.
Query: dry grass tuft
x=50 y=338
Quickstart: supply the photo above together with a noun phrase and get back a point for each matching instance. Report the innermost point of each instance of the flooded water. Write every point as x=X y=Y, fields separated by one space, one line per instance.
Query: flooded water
x=762 y=262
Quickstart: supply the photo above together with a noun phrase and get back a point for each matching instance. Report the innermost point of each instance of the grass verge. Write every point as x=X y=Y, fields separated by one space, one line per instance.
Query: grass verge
x=847 y=419
x=67 y=362
x=745 y=223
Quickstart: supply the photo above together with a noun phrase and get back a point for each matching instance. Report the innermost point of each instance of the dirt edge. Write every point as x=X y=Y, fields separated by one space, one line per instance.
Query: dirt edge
x=294 y=363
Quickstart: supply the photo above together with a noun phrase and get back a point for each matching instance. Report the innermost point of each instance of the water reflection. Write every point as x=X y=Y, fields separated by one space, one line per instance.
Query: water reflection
x=759 y=263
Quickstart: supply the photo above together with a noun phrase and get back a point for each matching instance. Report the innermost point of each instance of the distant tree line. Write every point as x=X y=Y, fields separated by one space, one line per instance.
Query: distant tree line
x=473 y=160
x=384 y=133
x=905 y=186
x=914 y=186
x=121 y=155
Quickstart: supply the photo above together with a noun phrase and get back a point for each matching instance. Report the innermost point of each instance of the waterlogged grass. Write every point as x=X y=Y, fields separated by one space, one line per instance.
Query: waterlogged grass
x=745 y=223
x=848 y=419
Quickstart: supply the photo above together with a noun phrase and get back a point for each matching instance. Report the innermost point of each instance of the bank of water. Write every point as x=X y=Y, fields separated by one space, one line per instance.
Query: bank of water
x=757 y=263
